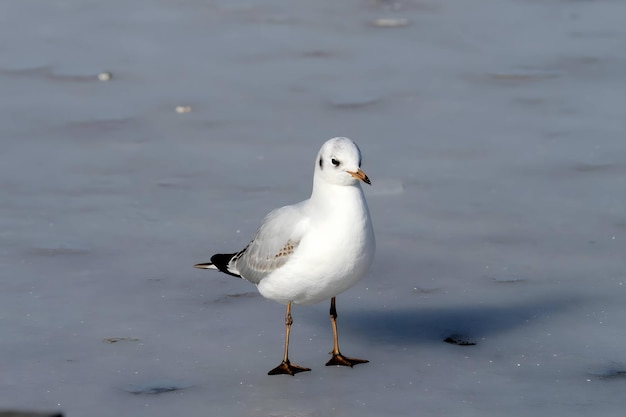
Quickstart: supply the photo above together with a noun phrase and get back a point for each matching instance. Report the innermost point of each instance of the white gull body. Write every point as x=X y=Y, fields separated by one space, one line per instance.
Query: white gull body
x=313 y=250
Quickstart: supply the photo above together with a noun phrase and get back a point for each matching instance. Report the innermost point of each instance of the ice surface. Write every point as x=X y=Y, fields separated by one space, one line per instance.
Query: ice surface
x=493 y=132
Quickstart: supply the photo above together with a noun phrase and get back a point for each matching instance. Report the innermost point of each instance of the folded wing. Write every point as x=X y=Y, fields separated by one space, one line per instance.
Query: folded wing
x=274 y=243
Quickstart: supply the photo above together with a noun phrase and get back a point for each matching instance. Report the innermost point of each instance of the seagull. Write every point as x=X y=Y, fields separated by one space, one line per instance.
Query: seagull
x=313 y=250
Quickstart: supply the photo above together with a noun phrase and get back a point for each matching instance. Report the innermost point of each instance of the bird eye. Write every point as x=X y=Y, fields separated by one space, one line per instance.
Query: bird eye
x=335 y=162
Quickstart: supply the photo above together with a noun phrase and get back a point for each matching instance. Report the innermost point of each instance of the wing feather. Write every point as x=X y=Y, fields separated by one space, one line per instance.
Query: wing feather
x=274 y=243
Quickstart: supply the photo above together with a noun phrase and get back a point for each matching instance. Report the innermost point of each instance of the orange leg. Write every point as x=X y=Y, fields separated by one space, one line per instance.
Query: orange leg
x=338 y=358
x=285 y=366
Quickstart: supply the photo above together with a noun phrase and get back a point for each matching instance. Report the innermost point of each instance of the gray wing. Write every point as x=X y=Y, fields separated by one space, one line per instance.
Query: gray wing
x=274 y=243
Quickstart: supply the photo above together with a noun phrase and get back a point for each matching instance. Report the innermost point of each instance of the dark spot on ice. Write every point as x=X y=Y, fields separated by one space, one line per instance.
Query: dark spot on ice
x=459 y=339
x=611 y=374
x=509 y=279
x=169 y=182
x=226 y=298
x=615 y=374
x=119 y=339
x=47 y=72
x=583 y=167
x=524 y=75
x=153 y=388
x=353 y=101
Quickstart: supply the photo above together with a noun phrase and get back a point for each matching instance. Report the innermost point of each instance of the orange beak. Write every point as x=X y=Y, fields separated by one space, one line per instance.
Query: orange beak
x=360 y=175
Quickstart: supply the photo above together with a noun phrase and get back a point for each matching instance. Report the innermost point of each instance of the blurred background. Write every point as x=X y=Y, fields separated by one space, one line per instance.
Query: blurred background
x=139 y=137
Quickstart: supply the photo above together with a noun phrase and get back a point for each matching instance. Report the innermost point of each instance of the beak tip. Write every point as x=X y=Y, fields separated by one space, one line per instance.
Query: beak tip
x=360 y=175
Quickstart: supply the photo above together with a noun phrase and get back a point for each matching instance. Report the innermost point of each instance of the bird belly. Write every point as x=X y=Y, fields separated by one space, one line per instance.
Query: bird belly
x=318 y=272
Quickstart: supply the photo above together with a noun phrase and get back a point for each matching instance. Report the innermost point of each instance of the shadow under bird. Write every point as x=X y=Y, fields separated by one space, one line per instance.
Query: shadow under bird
x=313 y=250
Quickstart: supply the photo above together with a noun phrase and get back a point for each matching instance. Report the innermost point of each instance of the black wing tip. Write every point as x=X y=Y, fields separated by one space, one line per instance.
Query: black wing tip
x=221 y=260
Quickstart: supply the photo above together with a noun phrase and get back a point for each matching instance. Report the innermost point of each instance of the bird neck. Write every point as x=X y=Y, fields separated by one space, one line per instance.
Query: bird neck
x=330 y=194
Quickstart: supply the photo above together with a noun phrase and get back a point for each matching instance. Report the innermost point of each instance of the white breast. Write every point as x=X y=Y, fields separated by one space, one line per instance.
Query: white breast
x=334 y=254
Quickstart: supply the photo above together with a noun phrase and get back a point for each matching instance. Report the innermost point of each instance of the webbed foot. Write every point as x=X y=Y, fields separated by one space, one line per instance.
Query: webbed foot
x=339 y=360
x=287 y=368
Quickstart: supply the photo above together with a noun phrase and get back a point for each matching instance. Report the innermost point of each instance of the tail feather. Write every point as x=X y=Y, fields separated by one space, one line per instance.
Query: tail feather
x=220 y=262
x=208 y=265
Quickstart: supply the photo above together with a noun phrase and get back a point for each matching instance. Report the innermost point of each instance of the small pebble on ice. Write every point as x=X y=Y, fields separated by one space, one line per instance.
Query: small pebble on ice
x=390 y=22
x=183 y=109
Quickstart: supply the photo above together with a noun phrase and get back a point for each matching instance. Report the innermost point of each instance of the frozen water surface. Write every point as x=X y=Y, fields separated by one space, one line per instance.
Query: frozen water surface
x=493 y=132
